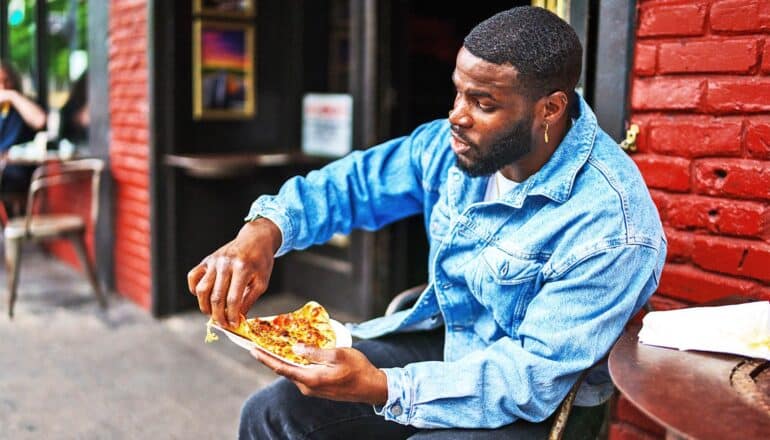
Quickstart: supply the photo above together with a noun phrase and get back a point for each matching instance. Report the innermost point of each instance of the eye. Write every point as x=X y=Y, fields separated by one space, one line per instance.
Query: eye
x=485 y=108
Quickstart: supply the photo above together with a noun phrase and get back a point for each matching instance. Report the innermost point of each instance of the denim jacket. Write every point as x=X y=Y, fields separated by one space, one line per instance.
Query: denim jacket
x=532 y=288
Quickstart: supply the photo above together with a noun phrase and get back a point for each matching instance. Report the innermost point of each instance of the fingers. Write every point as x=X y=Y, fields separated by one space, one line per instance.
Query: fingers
x=194 y=277
x=235 y=297
x=317 y=355
x=203 y=289
x=278 y=366
x=309 y=376
x=225 y=288
x=219 y=292
x=253 y=289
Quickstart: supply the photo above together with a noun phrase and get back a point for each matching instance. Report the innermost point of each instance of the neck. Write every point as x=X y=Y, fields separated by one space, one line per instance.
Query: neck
x=541 y=151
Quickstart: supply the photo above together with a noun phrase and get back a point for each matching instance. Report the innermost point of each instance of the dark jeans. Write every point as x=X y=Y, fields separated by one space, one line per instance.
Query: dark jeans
x=280 y=411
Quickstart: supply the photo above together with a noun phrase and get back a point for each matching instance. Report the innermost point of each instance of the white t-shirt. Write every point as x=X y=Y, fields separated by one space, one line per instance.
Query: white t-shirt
x=497 y=186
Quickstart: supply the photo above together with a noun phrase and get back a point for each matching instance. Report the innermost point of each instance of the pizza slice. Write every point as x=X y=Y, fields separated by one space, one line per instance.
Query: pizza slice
x=309 y=325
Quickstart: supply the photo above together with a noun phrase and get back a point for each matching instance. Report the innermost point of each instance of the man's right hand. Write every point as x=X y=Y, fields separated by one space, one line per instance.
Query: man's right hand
x=228 y=281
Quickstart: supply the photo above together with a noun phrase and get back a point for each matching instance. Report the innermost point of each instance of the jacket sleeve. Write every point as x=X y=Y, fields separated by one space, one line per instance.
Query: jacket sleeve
x=365 y=189
x=570 y=325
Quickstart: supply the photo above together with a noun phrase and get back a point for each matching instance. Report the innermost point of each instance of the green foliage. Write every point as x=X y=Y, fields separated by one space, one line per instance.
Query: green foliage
x=22 y=38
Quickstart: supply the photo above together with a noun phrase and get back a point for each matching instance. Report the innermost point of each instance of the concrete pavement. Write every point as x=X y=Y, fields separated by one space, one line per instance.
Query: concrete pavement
x=70 y=371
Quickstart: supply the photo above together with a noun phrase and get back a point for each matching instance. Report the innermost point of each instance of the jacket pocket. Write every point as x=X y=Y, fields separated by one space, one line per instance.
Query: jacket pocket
x=504 y=285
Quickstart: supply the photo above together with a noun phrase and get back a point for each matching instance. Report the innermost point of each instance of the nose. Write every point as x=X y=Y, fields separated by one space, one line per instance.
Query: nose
x=457 y=116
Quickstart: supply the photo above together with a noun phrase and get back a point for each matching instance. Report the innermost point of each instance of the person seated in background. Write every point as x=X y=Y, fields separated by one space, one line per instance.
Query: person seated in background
x=20 y=118
x=75 y=118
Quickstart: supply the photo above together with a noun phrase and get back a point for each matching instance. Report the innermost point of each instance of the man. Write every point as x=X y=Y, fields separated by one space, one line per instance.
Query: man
x=543 y=243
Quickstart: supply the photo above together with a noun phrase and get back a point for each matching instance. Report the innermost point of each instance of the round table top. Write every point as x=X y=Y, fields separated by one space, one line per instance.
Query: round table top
x=690 y=392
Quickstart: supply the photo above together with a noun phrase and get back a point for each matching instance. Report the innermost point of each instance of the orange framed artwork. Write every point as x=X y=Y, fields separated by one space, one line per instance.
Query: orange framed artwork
x=223 y=70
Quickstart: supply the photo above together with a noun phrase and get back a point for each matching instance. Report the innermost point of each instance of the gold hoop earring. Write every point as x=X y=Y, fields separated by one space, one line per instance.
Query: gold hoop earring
x=546 y=132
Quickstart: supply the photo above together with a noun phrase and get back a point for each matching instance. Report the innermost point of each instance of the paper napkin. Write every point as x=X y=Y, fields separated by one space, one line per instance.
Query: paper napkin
x=742 y=329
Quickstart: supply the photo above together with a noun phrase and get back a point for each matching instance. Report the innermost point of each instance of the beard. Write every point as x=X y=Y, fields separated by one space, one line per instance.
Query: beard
x=512 y=146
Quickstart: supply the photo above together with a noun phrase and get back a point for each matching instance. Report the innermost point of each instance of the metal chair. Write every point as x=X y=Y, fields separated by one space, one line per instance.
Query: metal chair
x=559 y=426
x=38 y=225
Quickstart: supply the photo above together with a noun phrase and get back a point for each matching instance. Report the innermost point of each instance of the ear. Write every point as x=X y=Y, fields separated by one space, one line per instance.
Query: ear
x=553 y=107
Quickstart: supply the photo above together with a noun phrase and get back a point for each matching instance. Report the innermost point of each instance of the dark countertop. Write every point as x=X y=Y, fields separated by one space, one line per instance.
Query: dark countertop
x=228 y=165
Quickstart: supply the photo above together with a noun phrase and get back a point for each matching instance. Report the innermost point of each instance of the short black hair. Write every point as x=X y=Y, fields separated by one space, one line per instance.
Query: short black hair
x=542 y=47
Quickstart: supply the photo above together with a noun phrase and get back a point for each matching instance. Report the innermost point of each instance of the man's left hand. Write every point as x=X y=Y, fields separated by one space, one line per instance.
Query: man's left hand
x=343 y=374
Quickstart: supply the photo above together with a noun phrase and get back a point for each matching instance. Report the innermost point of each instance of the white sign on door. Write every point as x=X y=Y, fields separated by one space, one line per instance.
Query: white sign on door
x=327 y=124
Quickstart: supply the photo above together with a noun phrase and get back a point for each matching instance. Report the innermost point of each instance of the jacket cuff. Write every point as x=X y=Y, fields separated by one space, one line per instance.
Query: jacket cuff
x=398 y=408
x=281 y=220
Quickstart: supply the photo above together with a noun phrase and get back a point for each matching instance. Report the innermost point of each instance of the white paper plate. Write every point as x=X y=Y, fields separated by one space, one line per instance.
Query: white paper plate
x=342 y=335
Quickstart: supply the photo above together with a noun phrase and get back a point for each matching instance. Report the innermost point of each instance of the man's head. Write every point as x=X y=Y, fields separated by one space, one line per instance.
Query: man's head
x=514 y=78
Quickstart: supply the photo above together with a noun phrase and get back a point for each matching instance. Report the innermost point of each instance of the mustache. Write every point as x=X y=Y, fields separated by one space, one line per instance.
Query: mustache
x=462 y=137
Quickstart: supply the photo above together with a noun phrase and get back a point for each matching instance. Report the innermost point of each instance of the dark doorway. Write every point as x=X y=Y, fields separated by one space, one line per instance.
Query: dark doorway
x=424 y=37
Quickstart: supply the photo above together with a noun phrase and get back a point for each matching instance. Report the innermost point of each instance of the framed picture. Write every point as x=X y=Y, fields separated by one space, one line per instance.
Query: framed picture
x=225 y=8
x=223 y=70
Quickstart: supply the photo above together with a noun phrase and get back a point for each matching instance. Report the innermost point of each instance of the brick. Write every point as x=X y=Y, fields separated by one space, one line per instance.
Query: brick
x=133 y=193
x=758 y=140
x=667 y=94
x=131 y=163
x=740 y=178
x=125 y=176
x=713 y=56
x=740 y=15
x=662 y=202
x=672 y=20
x=645 y=59
x=686 y=283
x=662 y=172
x=661 y=302
x=134 y=263
x=738 y=95
x=624 y=431
x=695 y=138
x=128 y=288
x=625 y=411
x=680 y=245
x=761 y=293
x=733 y=256
x=766 y=58
x=129 y=248
x=718 y=216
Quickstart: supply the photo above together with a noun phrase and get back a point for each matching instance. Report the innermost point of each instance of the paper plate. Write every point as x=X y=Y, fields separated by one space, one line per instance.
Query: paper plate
x=342 y=335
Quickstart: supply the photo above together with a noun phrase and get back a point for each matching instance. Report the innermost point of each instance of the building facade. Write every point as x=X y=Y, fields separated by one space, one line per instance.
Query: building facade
x=693 y=75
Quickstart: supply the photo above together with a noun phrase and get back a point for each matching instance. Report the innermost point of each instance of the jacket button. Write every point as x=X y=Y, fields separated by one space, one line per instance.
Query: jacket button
x=396 y=410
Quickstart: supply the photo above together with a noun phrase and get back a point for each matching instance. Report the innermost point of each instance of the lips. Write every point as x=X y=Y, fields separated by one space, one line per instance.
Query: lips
x=458 y=145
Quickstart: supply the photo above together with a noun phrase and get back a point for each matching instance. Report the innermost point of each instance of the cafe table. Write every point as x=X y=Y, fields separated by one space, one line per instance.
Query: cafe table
x=693 y=394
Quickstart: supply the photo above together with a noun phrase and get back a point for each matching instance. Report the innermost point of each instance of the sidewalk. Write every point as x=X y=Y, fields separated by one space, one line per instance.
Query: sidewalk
x=69 y=370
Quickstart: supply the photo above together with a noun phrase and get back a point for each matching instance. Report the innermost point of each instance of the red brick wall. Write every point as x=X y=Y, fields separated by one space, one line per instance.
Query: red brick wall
x=129 y=147
x=701 y=96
